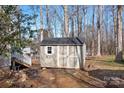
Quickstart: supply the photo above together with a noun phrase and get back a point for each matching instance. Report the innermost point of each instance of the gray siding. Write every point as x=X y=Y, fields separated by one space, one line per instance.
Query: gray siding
x=48 y=60
x=63 y=57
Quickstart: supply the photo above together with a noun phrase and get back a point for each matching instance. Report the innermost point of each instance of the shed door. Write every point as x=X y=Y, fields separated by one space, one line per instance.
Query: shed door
x=68 y=57
x=63 y=56
x=73 y=57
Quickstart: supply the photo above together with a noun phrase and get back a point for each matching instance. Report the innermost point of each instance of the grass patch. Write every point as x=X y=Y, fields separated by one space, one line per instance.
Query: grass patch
x=109 y=60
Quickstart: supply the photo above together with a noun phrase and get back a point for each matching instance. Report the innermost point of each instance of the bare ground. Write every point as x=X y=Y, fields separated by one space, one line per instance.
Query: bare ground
x=99 y=72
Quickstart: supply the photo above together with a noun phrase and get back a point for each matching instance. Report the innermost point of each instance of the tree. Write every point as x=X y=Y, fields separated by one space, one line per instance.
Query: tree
x=79 y=19
x=84 y=14
x=114 y=14
x=13 y=26
x=35 y=16
x=93 y=30
x=99 y=30
x=55 y=21
x=41 y=24
x=106 y=37
x=66 y=24
x=41 y=17
x=48 y=18
x=72 y=20
x=119 y=53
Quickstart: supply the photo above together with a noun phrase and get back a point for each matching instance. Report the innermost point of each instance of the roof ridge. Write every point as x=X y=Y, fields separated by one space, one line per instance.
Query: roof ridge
x=62 y=41
x=79 y=40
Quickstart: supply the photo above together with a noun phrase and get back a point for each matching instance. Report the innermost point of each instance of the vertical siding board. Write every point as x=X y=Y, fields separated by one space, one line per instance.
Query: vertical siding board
x=64 y=57
x=48 y=60
x=42 y=61
x=67 y=57
x=84 y=54
x=58 y=56
x=79 y=56
x=41 y=55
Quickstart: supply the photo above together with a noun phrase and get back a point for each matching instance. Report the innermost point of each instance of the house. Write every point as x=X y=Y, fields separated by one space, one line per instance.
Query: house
x=62 y=52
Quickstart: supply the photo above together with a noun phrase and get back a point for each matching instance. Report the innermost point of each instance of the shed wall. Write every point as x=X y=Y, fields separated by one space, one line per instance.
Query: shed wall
x=63 y=57
x=48 y=60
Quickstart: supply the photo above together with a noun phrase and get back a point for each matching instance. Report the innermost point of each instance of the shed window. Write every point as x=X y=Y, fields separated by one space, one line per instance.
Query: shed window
x=49 y=50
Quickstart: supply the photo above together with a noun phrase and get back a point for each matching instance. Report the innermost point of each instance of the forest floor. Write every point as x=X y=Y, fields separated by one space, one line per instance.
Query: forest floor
x=99 y=72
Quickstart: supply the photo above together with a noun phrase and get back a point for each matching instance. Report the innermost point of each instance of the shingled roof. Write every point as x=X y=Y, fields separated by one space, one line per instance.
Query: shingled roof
x=62 y=41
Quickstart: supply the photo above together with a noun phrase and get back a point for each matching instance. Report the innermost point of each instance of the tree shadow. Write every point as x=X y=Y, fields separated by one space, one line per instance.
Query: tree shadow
x=120 y=62
x=81 y=80
x=105 y=75
x=111 y=62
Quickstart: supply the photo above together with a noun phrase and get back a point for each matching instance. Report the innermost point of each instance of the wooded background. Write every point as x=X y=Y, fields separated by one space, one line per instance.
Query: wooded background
x=100 y=26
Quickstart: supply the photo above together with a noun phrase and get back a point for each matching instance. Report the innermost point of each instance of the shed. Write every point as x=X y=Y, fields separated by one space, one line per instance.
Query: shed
x=62 y=53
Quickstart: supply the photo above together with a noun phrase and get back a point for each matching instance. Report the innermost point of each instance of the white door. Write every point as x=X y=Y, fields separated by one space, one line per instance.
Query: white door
x=73 y=57
x=62 y=56
x=68 y=57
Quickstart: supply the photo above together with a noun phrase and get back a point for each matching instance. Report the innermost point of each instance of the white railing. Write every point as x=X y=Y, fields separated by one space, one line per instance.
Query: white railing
x=23 y=58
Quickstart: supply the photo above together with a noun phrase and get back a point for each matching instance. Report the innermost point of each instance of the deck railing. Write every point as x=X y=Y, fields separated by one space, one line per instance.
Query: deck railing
x=24 y=58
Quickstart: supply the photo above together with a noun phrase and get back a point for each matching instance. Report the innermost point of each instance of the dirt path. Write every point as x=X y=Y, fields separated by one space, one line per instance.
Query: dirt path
x=99 y=72
x=52 y=78
x=67 y=78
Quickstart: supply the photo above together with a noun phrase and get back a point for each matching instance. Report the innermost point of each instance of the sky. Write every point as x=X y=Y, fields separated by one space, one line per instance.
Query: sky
x=27 y=9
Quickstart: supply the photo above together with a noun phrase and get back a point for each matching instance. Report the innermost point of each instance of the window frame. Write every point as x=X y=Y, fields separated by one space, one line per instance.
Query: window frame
x=47 y=50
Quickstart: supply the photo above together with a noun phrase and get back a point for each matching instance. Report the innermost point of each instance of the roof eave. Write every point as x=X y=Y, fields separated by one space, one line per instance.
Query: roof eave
x=61 y=44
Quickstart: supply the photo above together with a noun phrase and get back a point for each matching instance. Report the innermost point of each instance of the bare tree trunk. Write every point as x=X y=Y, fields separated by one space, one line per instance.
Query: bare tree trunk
x=84 y=14
x=47 y=19
x=72 y=26
x=66 y=20
x=107 y=40
x=55 y=26
x=79 y=20
x=41 y=22
x=50 y=33
x=85 y=36
x=93 y=30
x=115 y=28
x=40 y=32
x=41 y=17
x=66 y=25
x=99 y=31
x=119 y=33
x=115 y=34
